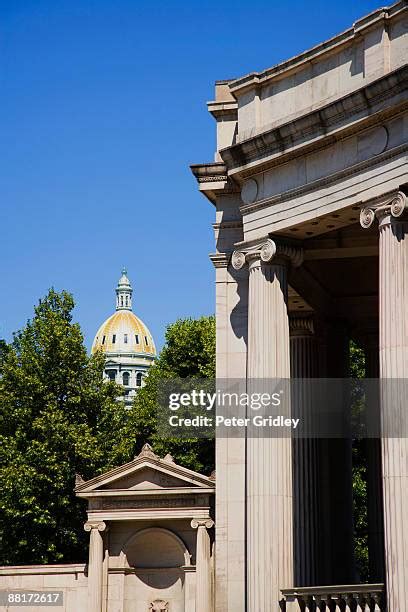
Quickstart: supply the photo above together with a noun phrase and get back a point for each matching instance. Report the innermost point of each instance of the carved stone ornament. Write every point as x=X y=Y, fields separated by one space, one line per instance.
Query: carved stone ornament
x=99 y=525
x=159 y=605
x=399 y=204
x=249 y=191
x=205 y=522
x=78 y=480
x=301 y=326
x=266 y=251
x=392 y=204
x=238 y=260
x=147 y=451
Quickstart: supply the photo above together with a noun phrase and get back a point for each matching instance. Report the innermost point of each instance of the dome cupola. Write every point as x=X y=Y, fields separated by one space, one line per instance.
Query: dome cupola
x=124 y=292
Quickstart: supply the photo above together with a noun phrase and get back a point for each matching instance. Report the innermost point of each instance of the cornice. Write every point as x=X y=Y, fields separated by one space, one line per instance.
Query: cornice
x=223 y=110
x=323 y=182
x=213 y=171
x=146 y=458
x=320 y=124
x=228 y=225
x=212 y=178
x=28 y=570
x=147 y=493
x=256 y=79
x=220 y=260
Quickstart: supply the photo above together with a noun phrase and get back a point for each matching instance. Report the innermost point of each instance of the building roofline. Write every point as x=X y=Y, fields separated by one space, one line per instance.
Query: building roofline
x=253 y=79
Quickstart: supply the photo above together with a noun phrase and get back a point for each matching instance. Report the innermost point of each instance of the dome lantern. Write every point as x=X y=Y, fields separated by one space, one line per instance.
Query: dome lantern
x=124 y=293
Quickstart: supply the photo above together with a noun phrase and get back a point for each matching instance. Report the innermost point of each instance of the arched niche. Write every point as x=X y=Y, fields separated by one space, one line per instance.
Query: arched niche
x=158 y=556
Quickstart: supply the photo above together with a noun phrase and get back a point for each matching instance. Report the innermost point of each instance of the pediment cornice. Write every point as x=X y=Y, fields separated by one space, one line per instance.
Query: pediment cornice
x=179 y=478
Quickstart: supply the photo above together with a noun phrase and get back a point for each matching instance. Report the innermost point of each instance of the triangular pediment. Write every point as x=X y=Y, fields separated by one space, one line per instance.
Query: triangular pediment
x=145 y=478
x=147 y=472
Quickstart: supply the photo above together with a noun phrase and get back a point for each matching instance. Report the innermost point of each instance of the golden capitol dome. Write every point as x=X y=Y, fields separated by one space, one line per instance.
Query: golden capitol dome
x=126 y=342
x=124 y=333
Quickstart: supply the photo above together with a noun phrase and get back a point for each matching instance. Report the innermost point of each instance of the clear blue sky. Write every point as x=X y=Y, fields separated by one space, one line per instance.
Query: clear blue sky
x=102 y=109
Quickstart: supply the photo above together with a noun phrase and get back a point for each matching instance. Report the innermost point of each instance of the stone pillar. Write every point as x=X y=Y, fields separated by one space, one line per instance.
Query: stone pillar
x=269 y=459
x=204 y=598
x=95 y=564
x=393 y=226
x=303 y=365
x=231 y=311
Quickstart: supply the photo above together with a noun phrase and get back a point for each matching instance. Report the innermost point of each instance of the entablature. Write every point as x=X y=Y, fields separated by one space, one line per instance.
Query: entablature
x=366 y=107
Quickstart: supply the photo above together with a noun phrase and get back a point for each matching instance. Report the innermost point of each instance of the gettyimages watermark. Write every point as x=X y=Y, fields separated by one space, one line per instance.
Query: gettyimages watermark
x=224 y=401
x=298 y=408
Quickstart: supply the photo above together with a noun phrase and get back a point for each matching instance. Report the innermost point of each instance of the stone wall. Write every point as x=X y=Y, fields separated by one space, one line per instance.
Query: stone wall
x=70 y=579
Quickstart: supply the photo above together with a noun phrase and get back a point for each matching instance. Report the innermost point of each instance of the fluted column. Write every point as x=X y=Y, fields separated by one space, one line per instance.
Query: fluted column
x=95 y=564
x=204 y=599
x=393 y=226
x=303 y=365
x=269 y=459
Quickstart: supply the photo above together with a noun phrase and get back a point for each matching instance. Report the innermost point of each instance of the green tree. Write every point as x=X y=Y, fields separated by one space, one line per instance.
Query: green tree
x=357 y=370
x=3 y=352
x=57 y=418
x=189 y=352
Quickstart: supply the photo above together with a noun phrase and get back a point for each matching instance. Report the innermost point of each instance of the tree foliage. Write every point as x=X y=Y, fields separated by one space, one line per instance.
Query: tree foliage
x=189 y=352
x=357 y=370
x=57 y=418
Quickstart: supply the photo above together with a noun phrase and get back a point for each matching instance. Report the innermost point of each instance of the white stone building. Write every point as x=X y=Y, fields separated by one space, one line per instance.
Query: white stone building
x=309 y=187
x=126 y=342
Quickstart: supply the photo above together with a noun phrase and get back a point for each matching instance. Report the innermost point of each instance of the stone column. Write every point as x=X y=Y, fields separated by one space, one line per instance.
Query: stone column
x=95 y=564
x=393 y=226
x=303 y=365
x=204 y=599
x=269 y=459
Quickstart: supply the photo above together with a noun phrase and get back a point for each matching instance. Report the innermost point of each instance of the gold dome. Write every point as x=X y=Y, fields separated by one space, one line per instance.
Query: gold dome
x=123 y=333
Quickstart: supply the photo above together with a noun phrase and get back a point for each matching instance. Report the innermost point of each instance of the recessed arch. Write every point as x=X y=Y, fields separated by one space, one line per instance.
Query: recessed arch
x=169 y=550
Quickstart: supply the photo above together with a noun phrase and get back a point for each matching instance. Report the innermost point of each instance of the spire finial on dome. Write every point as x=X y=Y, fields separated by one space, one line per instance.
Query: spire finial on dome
x=124 y=292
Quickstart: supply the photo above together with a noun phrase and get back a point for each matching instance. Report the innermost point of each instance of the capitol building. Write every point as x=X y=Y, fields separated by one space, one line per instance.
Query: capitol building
x=126 y=343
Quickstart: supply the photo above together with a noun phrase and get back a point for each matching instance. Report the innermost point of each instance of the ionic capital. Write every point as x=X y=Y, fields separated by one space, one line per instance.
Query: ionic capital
x=266 y=251
x=99 y=525
x=390 y=205
x=301 y=326
x=206 y=522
